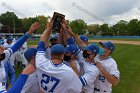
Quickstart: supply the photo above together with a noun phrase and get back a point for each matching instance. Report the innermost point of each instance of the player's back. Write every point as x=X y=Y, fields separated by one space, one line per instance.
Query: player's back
x=58 y=78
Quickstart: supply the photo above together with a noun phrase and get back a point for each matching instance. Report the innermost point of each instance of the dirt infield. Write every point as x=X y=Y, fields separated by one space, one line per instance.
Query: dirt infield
x=118 y=41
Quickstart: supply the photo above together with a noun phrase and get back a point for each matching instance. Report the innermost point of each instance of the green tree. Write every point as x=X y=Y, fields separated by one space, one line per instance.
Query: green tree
x=132 y=27
x=106 y=31
x=9 y=18
x=43 y=21
x=78 y=26
x=120 y=29
x=27 y=22
x=138 y=29
x=93 y=29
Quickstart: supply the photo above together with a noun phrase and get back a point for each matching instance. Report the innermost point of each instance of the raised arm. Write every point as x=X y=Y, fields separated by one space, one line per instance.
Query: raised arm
x=45 y=37
x=46 y=34
x=69 y=31
x=7 y=53
x=18 y=85
x=21 y=41
x=41 y=48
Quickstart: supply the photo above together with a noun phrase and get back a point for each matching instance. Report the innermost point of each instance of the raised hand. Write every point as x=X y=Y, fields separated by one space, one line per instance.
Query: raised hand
x=50 y=25
x=33 y=27
x=64 y=25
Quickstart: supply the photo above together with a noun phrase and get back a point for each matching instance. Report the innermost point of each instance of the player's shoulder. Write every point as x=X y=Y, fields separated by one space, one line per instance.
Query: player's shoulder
x=111 y=60
x=43 y=63
x=68 y=70
x=92 y=68
x=70 y=75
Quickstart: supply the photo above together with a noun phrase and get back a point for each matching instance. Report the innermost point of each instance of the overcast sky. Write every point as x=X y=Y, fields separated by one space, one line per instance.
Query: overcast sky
x=91 y=11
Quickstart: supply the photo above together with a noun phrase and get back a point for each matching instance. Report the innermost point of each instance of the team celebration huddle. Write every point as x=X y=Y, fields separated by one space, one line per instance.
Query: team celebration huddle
x=62 y=62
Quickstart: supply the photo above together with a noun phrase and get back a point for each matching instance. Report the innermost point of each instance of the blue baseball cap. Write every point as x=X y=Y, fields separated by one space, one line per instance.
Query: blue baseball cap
x=83 y=38
x=30 y=52
x=108 y=45
x=93 y=48
x=72 y=49
x=58 y=48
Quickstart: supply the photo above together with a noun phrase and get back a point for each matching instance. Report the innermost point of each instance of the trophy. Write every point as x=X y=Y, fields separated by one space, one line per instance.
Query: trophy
x=58 y=18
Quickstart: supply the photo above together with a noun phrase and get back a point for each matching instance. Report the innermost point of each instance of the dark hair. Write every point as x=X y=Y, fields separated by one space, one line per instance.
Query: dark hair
x=56 y=55
x=30 y=58
x=2 y=56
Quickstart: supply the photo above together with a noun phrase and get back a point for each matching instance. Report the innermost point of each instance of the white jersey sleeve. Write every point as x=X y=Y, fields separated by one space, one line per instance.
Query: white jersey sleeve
x=40 y=58
x=88 y=78
x=80 y=57
x=114 y=70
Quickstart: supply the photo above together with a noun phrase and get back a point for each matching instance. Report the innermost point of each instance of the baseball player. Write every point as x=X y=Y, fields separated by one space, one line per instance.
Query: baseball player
x=31 y=85
x=89 y=68
x=109 y=73
x=20 y=55
x=70 y=40
x=6 y=54
x=90 y=71
x=20 y=82
x=8 y=43
x=54 y=76
x=71 y=58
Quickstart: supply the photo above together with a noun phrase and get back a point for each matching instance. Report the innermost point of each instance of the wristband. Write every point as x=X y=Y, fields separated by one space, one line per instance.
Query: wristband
x=28 y=35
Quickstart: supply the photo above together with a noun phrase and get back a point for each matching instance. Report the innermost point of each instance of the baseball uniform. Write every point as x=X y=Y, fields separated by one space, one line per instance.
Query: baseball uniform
x=102 y=85
x=31 y=85
x=89 y=76
x=7 y=54
x=55 y=78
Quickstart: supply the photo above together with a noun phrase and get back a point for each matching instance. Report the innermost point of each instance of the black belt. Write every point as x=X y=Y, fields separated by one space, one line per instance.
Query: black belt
x=96 y=89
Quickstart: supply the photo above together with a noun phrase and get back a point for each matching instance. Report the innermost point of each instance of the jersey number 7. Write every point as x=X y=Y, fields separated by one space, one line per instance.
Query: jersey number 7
x=46 y=80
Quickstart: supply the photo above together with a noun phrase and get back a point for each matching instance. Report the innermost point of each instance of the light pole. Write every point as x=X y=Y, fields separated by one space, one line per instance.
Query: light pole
x=13 y=23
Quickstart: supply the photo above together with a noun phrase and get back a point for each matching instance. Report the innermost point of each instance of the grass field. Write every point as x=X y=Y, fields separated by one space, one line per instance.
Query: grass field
x=128 y=60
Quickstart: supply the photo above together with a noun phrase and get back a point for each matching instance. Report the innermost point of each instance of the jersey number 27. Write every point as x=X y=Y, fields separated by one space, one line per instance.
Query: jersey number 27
x=46 y=80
